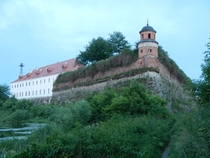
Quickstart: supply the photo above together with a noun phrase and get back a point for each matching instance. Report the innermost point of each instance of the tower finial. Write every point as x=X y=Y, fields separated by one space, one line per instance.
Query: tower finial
x=147 y=22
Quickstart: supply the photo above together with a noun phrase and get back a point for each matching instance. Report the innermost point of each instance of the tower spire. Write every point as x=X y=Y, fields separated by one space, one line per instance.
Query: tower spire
x=147 y=22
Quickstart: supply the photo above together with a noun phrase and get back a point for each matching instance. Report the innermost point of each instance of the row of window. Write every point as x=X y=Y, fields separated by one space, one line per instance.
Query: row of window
x=29 y=83
x=32 y=93
x=149 y=36
x=150 y=50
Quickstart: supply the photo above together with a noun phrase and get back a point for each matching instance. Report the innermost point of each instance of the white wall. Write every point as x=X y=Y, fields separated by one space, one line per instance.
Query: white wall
x=33 y=88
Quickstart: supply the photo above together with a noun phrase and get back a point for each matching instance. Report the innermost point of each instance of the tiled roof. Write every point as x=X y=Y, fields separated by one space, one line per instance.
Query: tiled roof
x=57 y=68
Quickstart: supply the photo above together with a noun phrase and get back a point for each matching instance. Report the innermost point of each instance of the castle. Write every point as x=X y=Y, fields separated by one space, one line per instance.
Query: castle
x=39 y=83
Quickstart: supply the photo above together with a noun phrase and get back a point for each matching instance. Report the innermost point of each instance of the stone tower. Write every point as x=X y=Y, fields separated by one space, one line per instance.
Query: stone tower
x=148 y=48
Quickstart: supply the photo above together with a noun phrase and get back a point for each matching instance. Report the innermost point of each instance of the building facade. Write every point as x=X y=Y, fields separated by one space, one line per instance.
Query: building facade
x=39 y=82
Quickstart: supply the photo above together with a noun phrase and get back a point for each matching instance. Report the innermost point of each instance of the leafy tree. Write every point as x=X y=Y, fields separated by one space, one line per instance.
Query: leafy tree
x=118 y=42
x=98 y=49
x=4 y=92
x=203 y=85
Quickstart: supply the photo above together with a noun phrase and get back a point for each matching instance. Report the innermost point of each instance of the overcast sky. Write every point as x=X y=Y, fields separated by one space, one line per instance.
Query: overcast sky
x=42 y=32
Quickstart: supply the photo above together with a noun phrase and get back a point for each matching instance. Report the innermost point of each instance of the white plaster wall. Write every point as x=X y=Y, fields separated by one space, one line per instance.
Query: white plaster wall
x=33 y=88
x=147 y=44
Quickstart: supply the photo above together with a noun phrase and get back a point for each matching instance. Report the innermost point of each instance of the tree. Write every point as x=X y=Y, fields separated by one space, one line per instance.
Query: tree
x=118 y=42
x=4 y=92
x=203 y=85
x=98 y=49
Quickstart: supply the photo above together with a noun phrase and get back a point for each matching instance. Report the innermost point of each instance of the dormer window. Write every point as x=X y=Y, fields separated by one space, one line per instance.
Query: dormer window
x=64 y=66
x=49 y=70
x=37 y=72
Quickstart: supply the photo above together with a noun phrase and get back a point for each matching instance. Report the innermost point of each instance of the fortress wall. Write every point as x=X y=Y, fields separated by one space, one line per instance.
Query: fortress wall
x=154 y=81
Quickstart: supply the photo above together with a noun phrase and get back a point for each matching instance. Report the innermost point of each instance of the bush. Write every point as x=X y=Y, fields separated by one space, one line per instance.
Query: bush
x=68 y=115
x=133 y=100
x=118 y=137
x=191 y=134
x=18 y=116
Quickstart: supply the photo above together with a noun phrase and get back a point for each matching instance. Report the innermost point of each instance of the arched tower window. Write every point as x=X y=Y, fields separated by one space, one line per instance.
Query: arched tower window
x=149 y=36
x=142 y=36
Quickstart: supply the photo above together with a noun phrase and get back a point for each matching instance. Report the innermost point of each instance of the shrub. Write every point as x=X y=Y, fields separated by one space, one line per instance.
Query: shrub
x=18 y=116
x=118 y=137
x=133 y=100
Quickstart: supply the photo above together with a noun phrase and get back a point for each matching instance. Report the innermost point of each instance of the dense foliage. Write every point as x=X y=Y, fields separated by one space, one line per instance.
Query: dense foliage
x=118 y=43
x=101 y=49
x=203 y=85
x=98 y=49
x=132 y=100
x=4 y=93
x=191 y=132
x=107 y=124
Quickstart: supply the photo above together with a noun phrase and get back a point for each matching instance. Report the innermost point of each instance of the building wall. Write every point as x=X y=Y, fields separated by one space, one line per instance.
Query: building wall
x=33 y=88
x=147 y=48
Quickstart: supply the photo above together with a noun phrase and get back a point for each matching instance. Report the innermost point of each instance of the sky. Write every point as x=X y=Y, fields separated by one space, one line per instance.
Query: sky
x=42 y=32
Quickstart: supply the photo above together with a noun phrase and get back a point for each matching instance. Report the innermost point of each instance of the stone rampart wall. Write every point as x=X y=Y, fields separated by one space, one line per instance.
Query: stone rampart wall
x=154 y=81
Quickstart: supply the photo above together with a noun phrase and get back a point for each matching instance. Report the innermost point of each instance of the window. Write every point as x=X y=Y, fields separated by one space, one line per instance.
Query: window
x=150 y=50
x=149 y=36
x=36 y=92
x=43 y=91
x=142 y=36
x=40 y=92
x=26 y=83
x=40 y=81
x=29 y=83
x=36 y=82
x=44 y=80
x=33 y=82
x=17 y=94
x=141 y=51
x=20 y=85
x=25 y=93
x=48 y=91
x=48 y=79
x=22 y=94
x=32 y=93
x=28 y=93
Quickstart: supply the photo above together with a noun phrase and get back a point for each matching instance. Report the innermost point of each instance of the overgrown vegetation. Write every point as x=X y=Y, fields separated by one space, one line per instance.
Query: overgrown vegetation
x=191 y=132
x=124 y=59
x=126 y=122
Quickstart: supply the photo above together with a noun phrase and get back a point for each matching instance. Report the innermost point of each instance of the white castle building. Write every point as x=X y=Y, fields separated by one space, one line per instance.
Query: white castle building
x=39 y=82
